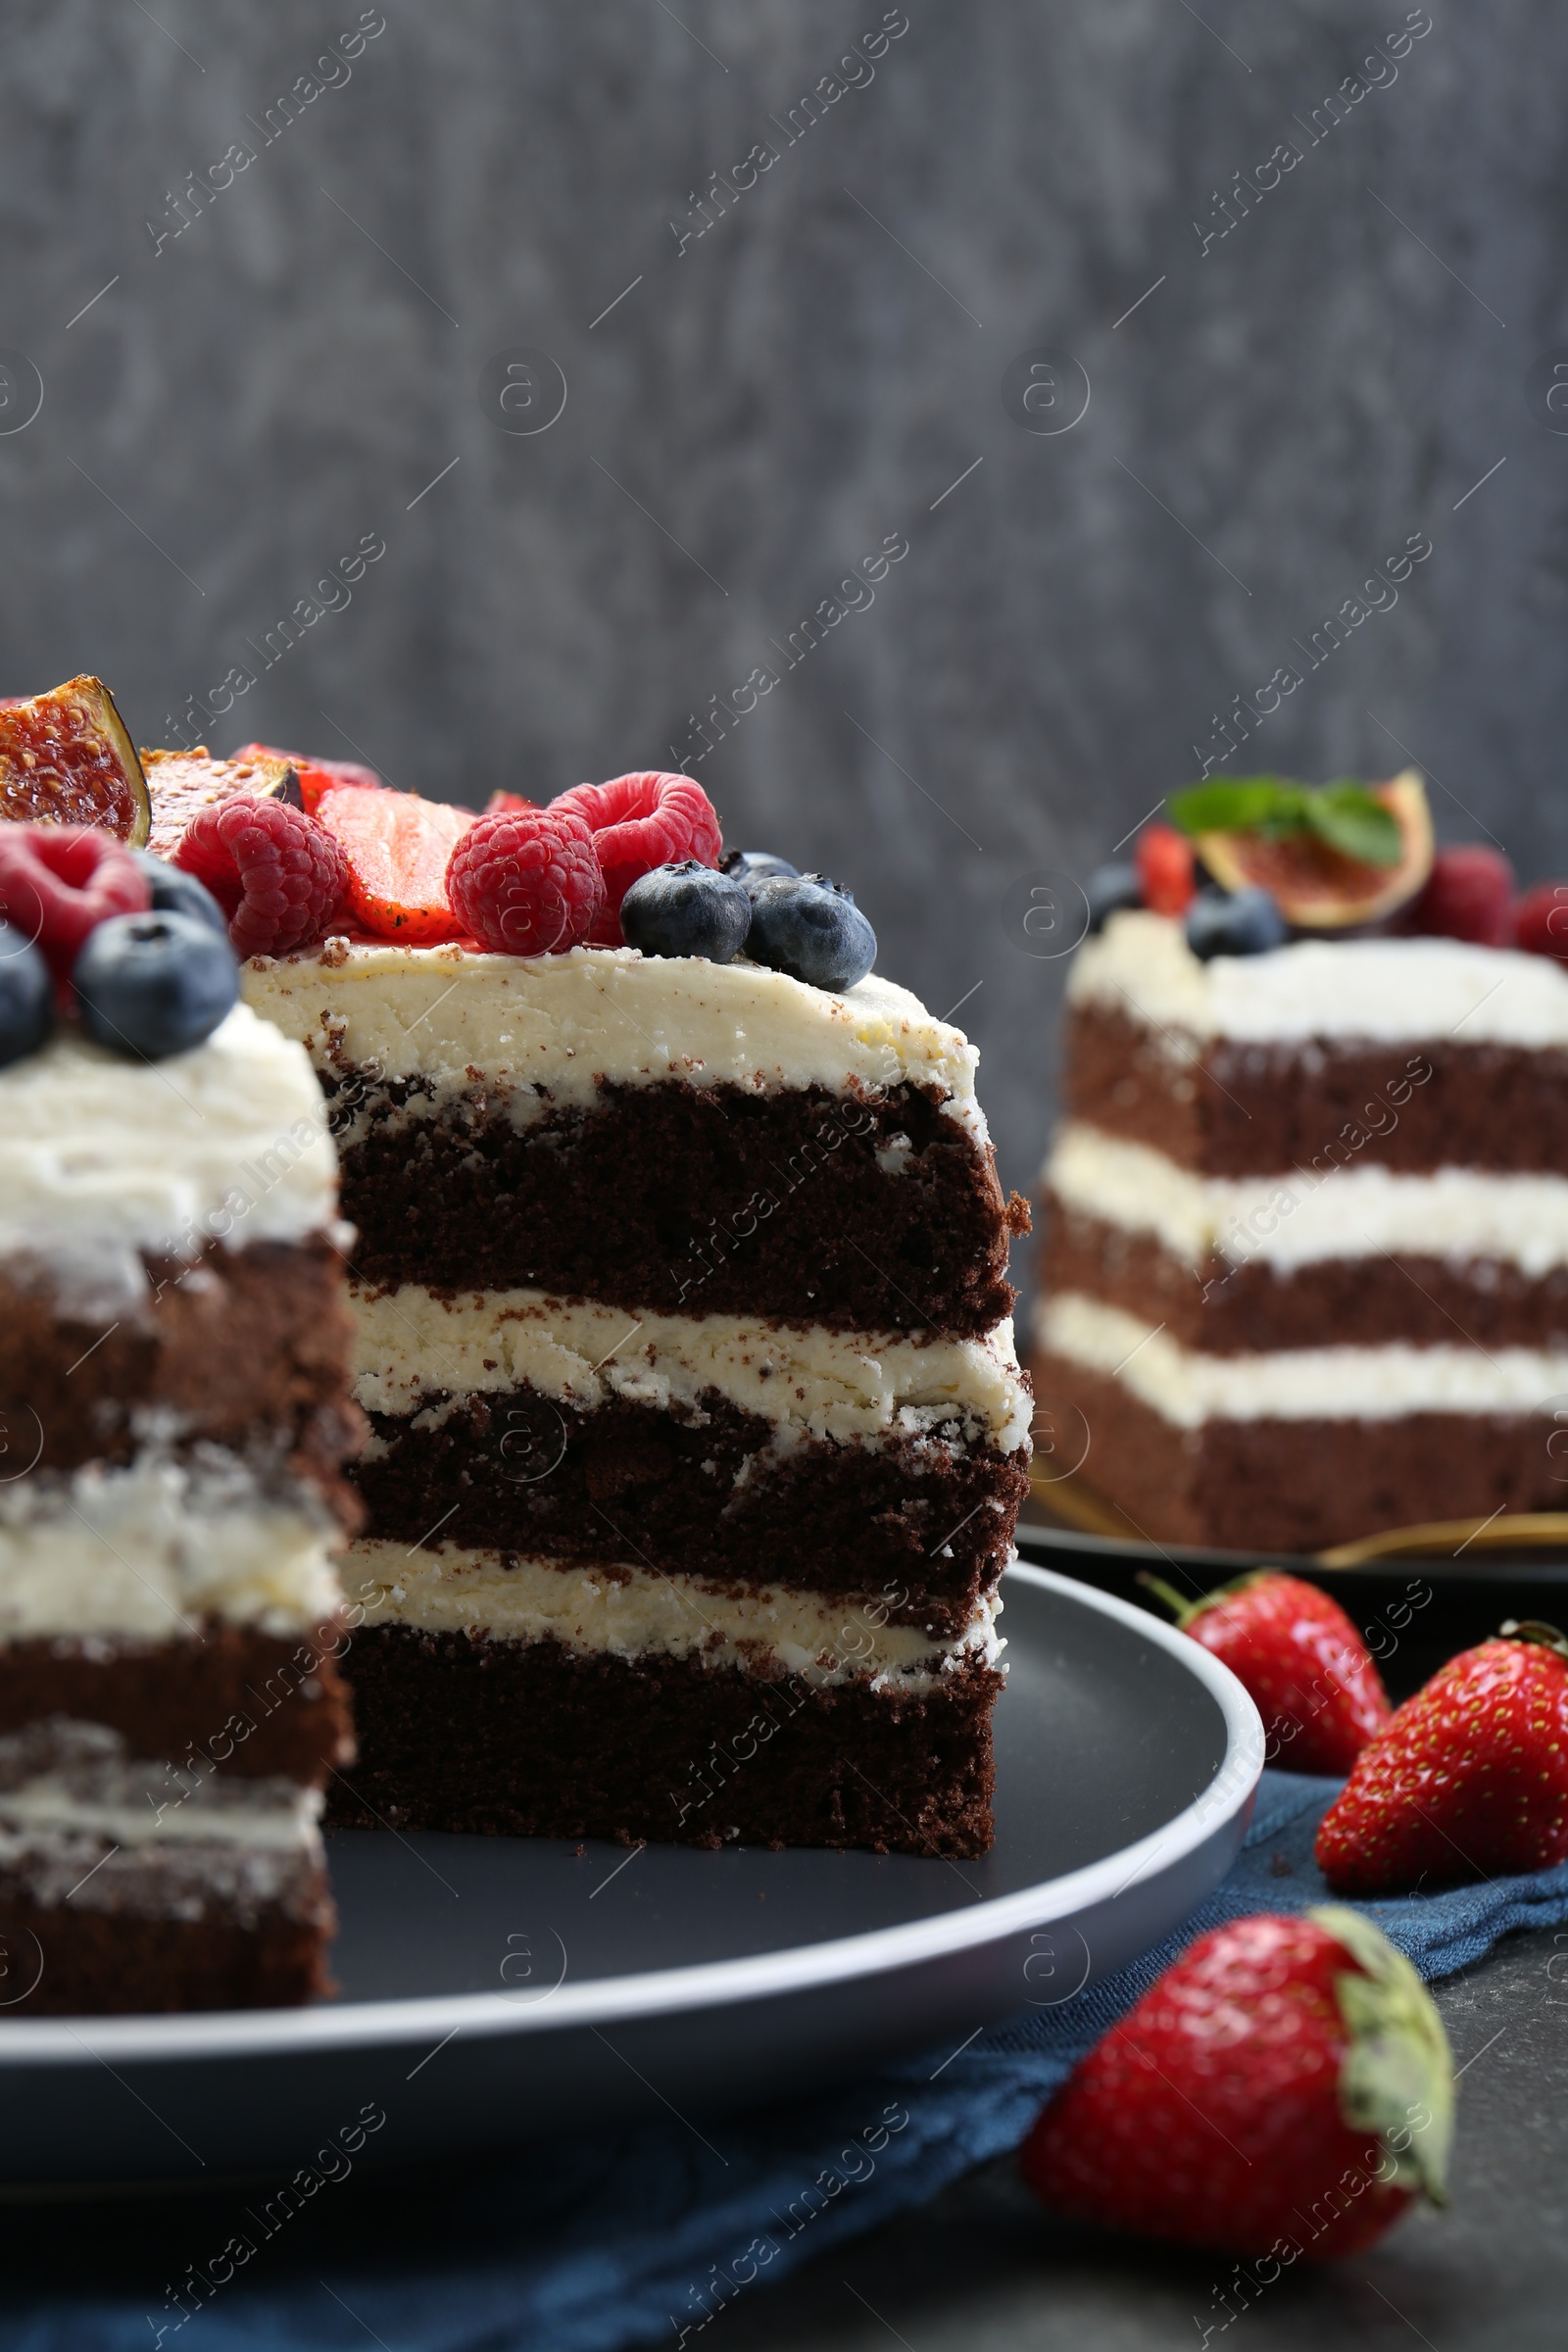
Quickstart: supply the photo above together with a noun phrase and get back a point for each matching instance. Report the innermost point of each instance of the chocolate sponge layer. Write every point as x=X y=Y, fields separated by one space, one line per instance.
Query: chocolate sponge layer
x=248 y=1349
x=916 y=1526
x=530 y=1740
x=697 y=1199
x=1238 y=1109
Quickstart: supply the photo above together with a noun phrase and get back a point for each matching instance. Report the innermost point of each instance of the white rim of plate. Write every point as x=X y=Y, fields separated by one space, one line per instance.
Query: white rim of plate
x=802 y=1968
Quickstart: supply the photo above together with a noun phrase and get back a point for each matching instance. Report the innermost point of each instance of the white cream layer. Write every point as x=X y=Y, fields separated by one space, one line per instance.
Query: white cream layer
x=146 y=1551
x=1387 y=991
x=76 y=1779
x=538 y=1033
x=100 y=1153
x=1301 y=1217
x=637 y=1613
x=1297 y=1384
x=820 y=1382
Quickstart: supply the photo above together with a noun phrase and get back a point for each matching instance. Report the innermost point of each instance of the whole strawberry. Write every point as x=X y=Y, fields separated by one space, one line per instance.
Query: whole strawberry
x=1300 y=1659
x=1286 y=2080
x=1469 y=1779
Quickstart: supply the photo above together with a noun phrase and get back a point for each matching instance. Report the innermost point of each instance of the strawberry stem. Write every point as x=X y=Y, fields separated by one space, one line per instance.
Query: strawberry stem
x=1181 y=1609
x=1535 y=1629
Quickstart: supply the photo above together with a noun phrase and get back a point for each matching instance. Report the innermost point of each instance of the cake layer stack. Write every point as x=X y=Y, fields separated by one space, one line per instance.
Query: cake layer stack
x=1305 y=1268
x=698 y=1437
x=174 y=1400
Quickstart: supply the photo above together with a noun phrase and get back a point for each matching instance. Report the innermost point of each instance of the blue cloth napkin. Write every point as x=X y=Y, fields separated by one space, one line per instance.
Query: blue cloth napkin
x=585 y=2247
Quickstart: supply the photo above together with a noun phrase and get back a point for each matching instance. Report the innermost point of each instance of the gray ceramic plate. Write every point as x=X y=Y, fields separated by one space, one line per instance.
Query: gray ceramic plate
x=494 y=1988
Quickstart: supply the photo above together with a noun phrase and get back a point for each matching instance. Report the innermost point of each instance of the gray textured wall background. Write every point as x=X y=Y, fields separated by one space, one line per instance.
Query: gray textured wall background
x=776 y=395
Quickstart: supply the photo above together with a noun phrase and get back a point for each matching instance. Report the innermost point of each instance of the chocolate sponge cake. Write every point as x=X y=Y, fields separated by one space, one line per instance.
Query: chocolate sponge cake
x=173 y=1401
x=697 y=1433
x=1305 y=1268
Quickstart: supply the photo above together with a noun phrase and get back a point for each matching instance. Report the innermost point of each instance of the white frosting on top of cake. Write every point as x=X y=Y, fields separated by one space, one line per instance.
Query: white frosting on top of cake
x=636 y=1612
x=1303 y=1217
x=541 y=1031
x=99 y=1150
x=1297 y=1384
x=148 y=1550
x=410 y=1342
x=1389 y=991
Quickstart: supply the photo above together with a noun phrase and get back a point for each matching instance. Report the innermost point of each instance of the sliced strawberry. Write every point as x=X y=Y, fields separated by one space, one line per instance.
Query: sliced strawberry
x=397 y=848
x=315 y=775
x=1165 y=862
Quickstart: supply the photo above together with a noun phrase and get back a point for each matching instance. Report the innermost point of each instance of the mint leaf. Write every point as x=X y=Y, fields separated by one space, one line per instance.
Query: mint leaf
x=1242 y=805
x=1349 y=819
x=1342 y=816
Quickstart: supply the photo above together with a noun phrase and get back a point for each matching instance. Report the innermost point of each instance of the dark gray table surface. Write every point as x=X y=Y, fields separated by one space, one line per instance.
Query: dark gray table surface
x=982 y=2269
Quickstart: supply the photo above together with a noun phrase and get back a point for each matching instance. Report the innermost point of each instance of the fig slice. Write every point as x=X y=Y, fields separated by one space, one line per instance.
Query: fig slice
x=181 y=783
x=66 y=759
x=1316 y=886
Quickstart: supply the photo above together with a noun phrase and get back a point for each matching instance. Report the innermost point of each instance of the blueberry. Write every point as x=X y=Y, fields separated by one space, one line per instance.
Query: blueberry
x=1247 y=923
x=151 y=985
x=686 y=909
x=26 y=998
x=1110 y=887
x=752 y=866
x=805 y=925
x=174 y=892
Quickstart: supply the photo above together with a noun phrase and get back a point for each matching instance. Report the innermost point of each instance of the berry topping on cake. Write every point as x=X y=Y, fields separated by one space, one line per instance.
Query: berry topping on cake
x=26 y=995
x=1541 y=921
x=1331 y=858
x=687 y=909
x=527 y=883
x=807 y=927
x=1164 y=864
x=639 y=822
x=755 y=865
x=315 y=777
x=152 y=985
x=181 y=784
x=1246 y=923
x=1469 y=895
x=58 y=881
x=66 y=759
x=397 y=847
x=1109 y=889
x=174 y=892
x=277 y=874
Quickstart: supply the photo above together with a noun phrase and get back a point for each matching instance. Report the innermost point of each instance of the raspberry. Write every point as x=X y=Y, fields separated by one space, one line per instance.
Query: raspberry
x=59 y=882
x=1164 y=861
x=274 y=871
x=526 y=882
x=1541 y=921
x=640 y=821
x=1468 y=895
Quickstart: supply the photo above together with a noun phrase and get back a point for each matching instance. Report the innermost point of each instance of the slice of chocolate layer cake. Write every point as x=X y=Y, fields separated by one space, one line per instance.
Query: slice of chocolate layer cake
x=173 y=1397
x=1305 y=1273
x=698 y=1437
